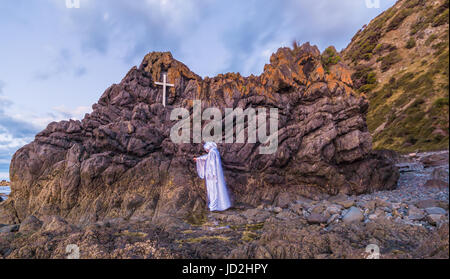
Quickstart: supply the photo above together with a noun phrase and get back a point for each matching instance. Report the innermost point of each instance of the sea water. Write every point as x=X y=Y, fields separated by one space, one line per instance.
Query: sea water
x=5 y=190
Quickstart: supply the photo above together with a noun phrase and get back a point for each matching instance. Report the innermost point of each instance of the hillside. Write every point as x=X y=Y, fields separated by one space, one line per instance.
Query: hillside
x=400 y=61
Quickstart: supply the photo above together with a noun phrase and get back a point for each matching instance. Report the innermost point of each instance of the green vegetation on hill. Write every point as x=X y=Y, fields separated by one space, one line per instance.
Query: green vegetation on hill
x=330 y=57
x=401 y=61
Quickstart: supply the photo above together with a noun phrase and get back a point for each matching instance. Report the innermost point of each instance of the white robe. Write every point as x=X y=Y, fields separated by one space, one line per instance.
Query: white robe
x=209 y=167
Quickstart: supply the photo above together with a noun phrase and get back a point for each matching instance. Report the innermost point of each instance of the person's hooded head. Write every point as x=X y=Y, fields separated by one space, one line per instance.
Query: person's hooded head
x=209 y=145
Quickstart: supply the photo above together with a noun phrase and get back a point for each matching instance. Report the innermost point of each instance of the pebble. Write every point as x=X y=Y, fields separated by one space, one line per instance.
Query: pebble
x=316 y=218
x=347 y=203
x=334 y=209
x=372 y=217
x=354 y=214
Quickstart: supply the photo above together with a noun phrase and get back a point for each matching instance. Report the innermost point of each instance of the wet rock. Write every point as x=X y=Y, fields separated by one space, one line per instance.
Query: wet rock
x=354 y=214
x=346 y=203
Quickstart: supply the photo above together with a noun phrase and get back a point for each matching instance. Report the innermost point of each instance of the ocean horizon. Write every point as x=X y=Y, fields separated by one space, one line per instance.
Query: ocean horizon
x=5 y=190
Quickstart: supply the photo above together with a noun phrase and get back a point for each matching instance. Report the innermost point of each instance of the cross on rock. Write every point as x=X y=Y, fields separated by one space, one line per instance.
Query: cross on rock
x=164 y=85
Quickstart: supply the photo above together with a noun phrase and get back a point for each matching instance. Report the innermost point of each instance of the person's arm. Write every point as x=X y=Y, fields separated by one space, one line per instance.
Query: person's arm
x=201 y=162
x=201 y=158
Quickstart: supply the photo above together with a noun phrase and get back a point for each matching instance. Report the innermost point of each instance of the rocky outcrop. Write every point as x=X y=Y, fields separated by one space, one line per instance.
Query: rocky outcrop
x=119 y=161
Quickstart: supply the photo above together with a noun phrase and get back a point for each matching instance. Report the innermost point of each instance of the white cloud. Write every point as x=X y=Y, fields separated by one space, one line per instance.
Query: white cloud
x=75 y=113
x=9 y=142
x=59 y=113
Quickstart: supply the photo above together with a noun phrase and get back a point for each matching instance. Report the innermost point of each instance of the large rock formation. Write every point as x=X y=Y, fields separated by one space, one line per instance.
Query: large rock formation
x=120 y=161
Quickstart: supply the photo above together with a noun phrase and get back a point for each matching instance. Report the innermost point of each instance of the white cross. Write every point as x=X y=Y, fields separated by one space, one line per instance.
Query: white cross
x=164 y=84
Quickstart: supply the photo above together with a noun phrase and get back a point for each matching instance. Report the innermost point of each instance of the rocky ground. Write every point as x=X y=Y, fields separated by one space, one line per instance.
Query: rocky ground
x=409 y=222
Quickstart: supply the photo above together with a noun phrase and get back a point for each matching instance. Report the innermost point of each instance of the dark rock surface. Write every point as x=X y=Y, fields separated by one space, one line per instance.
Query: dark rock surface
x=120 y=162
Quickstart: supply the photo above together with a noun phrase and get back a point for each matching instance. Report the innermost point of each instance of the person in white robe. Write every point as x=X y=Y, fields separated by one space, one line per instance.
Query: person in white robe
x=209 y=167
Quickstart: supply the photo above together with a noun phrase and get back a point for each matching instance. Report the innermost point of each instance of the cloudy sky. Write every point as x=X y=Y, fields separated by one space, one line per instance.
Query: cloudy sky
x=55 y=62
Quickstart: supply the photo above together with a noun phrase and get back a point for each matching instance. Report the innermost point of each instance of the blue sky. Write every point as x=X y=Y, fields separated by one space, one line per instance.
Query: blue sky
x=56 y=62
